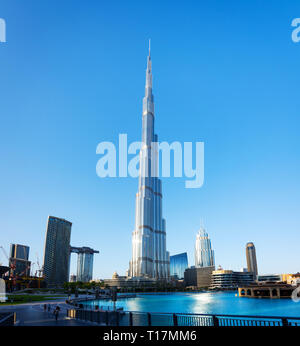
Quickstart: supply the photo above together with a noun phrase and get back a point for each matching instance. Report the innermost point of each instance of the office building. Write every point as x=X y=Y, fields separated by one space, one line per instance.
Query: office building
x=204 y=255
x=57 y=251
x=251 y=259
x=18 y=260
x=199 y=277
x=269 y=278
x=149 y=254
x=229 y=279
x=178 y=264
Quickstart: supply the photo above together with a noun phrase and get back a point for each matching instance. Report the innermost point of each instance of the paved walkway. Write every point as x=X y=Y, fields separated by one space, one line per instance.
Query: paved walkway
x=33 y=314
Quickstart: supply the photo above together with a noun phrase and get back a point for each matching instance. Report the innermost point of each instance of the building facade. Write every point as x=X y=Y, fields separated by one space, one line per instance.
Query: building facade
x=269 y=278
x=199 y=277
x=272 y=290
x=229 y=279
x=57 y=251
x=18 y=259
x=178 y=264
x=128 y=282
x=251 y=258
x=204 y=255
x=150 y=258
x=85 y=262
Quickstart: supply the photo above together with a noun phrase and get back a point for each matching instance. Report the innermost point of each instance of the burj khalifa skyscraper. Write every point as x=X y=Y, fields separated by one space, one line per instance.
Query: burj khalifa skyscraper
x=150 y=259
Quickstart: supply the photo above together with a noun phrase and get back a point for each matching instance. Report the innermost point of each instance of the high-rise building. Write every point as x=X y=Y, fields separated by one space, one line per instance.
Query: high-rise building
x=251 y=258
x=178 y=264
x=149 y=255
x=18 y=259
x=84 y=263
x=204 y=255
x=57 y=251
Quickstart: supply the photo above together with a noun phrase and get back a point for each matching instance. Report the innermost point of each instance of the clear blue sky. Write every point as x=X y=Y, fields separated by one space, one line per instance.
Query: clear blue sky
x=225 y=72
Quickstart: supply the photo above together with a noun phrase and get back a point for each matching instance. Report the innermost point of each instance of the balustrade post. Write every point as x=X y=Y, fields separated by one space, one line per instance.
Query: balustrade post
x=175 y=321
x=106 y=318
x=215 y=321
x=149 y=318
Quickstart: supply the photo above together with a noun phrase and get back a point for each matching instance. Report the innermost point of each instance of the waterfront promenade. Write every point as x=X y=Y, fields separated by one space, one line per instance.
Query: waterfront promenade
x=33 y=314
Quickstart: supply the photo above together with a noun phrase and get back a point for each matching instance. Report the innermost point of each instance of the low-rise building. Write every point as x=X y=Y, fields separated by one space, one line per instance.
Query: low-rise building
x=269 y=278
x=198 y=276
x=229 y=279
x=271 y=290
x=291 y=279
x=124 y=281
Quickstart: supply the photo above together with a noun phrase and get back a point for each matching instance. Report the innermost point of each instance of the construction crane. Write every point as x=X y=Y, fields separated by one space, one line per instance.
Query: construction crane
x=40 y=269
x=12 y=266
x=5 y=254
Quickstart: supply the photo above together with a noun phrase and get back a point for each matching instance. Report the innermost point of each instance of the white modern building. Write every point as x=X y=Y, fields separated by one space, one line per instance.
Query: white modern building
x=204 y=255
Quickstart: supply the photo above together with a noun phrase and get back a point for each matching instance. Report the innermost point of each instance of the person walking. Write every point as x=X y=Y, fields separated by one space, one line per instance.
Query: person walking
x=45 y=307
x=55 y=312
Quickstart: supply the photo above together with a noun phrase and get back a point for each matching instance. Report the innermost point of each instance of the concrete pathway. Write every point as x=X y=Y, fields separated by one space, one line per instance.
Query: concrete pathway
x=33 y=314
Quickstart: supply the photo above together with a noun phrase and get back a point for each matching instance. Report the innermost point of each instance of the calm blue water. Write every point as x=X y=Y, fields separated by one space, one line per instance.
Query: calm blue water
x=205 y=303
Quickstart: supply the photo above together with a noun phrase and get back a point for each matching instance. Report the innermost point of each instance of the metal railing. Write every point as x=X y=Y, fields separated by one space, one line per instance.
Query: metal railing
x=127 y=318
x=7 y=319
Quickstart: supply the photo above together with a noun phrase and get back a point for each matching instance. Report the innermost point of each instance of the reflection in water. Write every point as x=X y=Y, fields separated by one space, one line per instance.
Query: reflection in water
x=205 y=303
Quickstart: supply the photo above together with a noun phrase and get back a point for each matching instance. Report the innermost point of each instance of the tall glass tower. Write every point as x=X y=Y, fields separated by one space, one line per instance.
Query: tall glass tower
x=57 y=251
x=178 y=264
x=204 y=255
x=149 y=255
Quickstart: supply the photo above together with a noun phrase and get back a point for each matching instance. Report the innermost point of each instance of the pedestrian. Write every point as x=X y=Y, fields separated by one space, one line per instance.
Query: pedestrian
x=49 y=307
x=45 y=307
x=55 y=313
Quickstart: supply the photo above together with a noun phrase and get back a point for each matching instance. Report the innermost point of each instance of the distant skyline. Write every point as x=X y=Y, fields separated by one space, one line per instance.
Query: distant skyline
x=224 y=72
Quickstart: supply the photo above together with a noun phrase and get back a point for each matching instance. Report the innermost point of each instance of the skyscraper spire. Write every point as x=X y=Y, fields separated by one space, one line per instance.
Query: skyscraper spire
x=150 y=258
x=148 y=93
